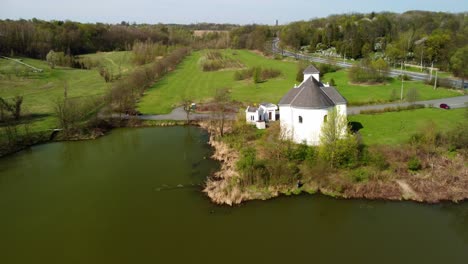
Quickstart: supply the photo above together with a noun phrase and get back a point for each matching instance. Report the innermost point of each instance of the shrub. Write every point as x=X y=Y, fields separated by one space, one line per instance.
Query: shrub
x=332 y=82
x=359 y=175
x=215 y=60
x=257 y=73
x=270 y=73
x=414 y=164
x=369 y=71
x=327 y=68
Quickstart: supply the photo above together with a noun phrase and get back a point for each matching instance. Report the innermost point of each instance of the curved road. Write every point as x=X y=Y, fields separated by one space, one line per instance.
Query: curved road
x=179 y=113
x=454 y=102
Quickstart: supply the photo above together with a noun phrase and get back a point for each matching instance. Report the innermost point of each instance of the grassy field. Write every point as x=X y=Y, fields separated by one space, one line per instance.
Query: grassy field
x=397 y=127
x=116 y=61
x=361 y=94
x=40 y=90
x=189 y=81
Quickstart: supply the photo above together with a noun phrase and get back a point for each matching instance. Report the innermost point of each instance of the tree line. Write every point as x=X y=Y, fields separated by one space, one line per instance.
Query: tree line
x=427 y=38
x=35 y=38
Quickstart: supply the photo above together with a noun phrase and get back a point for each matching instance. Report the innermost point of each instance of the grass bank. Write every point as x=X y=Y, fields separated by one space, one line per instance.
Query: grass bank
x=431 y=167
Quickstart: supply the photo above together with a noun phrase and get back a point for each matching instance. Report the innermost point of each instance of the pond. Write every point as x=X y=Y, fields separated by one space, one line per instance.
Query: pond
x=135 y=196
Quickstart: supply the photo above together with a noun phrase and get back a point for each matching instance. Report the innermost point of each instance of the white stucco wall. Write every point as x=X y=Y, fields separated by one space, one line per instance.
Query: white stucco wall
x=249 y=116
x=310 y=128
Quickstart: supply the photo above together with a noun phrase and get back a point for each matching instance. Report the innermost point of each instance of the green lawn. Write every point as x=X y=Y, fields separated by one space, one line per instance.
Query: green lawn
x=116 y=61
x=41 y=89
x=397 y=127
x=189 y=81
x=361 y=94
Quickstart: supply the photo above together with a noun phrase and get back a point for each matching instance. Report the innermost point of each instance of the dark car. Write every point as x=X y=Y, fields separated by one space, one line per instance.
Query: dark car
x=444 y=106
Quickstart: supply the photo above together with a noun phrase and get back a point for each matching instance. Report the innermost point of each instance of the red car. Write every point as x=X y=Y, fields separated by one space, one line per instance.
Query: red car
x=444 y=106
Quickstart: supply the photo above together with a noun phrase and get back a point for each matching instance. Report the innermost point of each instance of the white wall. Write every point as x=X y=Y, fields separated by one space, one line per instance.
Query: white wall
x=310 y=128
x=315 y=75
x=251 y=117
x=266 y=112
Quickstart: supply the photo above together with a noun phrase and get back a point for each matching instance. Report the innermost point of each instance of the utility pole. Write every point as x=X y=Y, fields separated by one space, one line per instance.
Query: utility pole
x=435 y=81
x=422 y=54
x=432 y=68
x=401 y=92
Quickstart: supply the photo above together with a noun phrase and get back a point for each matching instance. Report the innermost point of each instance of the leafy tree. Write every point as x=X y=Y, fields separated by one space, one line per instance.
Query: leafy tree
x=382 y=68
x=459 y=62
x=52 y=59
x=337 y=146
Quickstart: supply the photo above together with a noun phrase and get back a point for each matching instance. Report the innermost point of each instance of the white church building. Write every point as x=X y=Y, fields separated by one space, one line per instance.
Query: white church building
x=305 y=108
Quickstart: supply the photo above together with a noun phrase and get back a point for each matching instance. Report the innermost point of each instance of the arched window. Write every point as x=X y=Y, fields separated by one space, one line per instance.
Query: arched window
x=325 y=118
x=300 y=120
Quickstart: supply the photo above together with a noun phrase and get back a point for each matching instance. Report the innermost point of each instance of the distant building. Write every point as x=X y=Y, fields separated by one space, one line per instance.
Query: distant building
x=305 y=108
x=265 y=112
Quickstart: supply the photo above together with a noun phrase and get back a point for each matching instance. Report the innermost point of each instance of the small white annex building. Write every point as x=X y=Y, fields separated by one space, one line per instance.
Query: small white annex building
x=305 y=108
x=265 y=112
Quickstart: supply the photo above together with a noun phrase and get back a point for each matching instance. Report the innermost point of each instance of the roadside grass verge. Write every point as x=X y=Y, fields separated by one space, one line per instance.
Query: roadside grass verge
x=397 y=127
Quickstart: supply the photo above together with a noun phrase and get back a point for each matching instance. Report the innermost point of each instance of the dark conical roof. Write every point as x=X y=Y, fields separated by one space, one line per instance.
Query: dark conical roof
x=310 y=70
x=312 y=94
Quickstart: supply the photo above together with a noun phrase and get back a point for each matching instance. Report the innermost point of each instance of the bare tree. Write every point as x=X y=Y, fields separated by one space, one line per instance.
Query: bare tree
x=187 y=106
x=221 y=99
x=412 y=95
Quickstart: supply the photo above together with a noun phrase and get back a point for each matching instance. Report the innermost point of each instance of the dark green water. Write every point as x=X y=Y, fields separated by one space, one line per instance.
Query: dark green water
x=113 y=201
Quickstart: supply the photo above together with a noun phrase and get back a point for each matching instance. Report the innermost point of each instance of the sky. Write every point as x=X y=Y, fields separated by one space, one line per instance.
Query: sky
x=216 y=11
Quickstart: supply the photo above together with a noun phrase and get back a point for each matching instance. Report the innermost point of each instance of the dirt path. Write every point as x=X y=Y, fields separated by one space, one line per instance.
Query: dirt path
x=407 y=191
x=22 y=63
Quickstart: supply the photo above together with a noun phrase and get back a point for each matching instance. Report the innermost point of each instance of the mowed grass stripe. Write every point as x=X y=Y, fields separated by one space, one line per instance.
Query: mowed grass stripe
x=189 y=81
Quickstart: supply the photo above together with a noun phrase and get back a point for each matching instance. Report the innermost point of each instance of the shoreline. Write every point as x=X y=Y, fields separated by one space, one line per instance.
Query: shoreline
x=223 y=187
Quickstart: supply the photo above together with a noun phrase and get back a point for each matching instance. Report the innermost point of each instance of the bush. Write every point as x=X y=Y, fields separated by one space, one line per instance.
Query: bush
x=243 y=74
x=359 y=175
x=270 y=73
x=257 y=73
x=369 y=71
x=327 y=68
x=414 y=164
x=215 y=60
x=332 y=82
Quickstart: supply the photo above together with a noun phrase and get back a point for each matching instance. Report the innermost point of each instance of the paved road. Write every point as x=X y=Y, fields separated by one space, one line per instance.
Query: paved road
x=392 y=73
x=453 y=102
x=179 y=113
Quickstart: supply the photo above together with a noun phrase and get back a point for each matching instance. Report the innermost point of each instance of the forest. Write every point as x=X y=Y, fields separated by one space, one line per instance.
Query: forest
x=421 y=37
